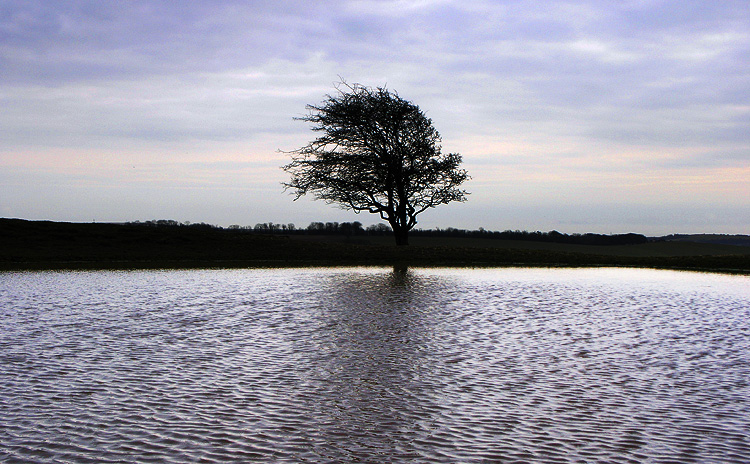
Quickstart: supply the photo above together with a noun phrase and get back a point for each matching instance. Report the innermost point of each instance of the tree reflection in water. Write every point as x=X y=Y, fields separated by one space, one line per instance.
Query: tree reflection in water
x=376 y=388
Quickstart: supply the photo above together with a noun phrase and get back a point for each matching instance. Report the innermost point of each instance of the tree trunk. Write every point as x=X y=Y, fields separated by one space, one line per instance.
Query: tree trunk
x=402 y=235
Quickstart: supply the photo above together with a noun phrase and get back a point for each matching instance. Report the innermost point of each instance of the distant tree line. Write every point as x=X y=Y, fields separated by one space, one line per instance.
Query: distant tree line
x=173 y=223
x=315 y=228
x=551 y=237
x=356 y=228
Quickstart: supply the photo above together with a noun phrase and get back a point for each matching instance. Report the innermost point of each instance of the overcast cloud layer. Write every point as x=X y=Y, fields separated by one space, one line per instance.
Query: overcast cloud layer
x=590 y=116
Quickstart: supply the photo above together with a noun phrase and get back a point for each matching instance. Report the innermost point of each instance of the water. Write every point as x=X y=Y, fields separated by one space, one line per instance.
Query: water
x=368 y=365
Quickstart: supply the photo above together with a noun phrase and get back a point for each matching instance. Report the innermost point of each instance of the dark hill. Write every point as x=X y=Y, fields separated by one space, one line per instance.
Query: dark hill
x=58 y=245
x=716 y=239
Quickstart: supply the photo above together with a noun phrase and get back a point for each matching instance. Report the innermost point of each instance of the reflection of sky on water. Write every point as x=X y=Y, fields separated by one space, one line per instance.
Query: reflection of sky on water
x=368 y=365
x=477 y=363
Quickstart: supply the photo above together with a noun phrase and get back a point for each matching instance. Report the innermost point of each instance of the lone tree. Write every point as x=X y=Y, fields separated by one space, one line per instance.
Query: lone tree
x=377 y=153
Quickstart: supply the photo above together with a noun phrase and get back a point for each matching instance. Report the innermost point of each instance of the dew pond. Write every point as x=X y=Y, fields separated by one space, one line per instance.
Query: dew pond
x=375 y=365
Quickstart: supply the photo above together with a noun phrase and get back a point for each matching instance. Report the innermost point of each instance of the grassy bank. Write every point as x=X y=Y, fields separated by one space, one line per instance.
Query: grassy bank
x=54 y=245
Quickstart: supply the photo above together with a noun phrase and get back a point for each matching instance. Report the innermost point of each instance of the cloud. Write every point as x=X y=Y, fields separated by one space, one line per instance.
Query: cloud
x=52 y=42
x=539 y=100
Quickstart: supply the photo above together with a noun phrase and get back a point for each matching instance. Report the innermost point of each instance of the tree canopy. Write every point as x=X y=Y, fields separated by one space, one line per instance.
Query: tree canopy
x=375 y=152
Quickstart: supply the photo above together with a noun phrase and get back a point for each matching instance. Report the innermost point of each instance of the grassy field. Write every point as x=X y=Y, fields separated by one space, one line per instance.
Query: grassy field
x=53 y=245
x=652 y=249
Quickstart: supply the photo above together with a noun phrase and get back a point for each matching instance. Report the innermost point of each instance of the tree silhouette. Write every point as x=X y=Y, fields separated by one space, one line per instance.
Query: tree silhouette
x=377 y=153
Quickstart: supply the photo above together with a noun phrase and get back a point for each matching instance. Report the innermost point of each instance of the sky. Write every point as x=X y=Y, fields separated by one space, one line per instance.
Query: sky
x=576 y=116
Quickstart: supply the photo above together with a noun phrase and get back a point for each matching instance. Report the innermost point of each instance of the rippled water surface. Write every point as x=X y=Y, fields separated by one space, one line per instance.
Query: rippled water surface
x=368 y=365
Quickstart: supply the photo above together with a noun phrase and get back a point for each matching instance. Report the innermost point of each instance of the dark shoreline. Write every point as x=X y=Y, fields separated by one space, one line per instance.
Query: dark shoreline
x=37 y=245
x=272 y=264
